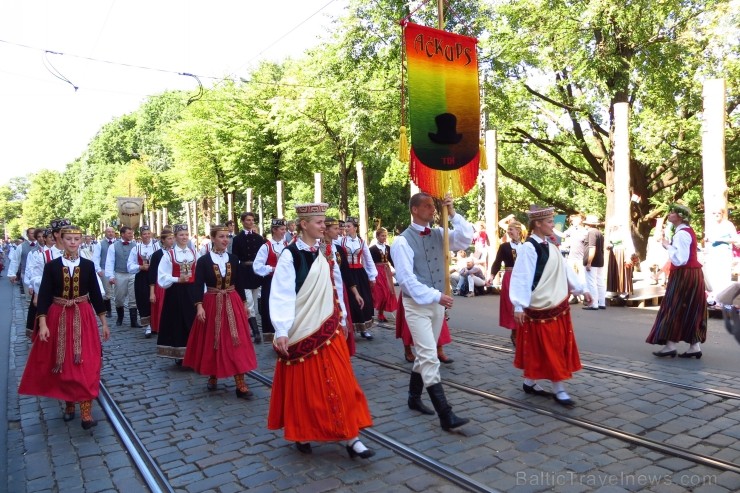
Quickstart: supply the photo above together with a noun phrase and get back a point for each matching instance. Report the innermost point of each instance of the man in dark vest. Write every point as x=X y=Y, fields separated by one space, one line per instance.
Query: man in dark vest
x=116 y=271
x=419 y=258
x=100 y=257
x=245 y=246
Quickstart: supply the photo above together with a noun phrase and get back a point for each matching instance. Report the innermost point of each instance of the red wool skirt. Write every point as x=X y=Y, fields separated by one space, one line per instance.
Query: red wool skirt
x=228 y=359
x=76 y=382
x=384 y=294
x=318 y=399
x=159 y=293
x=403 y=332
x=547 y=349
x=506 y=309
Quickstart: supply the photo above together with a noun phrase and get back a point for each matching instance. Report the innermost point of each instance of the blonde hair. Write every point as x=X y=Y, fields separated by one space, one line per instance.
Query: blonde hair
x=379 y=231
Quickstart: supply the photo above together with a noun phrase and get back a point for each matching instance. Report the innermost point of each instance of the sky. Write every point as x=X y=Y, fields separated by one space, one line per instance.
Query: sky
x=45 y=123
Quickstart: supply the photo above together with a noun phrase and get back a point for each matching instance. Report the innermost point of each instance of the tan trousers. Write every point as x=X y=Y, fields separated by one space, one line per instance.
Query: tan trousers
x=425 y=324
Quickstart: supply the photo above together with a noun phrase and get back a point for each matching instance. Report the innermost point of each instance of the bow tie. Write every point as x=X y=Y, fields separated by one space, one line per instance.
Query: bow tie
x=110 y=242
x=33 y=243
x=426 y=232
x=125 y=243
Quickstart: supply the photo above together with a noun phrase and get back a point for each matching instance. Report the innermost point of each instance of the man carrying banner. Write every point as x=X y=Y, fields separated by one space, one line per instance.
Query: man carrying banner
x=419 y=257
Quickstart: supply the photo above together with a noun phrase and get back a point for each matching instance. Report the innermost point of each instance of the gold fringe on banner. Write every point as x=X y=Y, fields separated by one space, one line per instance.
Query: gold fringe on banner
x=403 y=146
x=483 y=159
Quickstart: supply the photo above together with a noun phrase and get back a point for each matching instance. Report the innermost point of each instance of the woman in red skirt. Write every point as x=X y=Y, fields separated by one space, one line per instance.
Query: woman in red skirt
x=156 y=292
x=384 y=294
x=507 y=255
x=65 y=359
x=219 y=344
x=315 y=395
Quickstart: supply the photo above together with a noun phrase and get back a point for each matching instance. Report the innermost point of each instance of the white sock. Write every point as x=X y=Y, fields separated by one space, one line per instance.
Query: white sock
x=669 y=346
x=695 y=348
x=558 y=387
x=530 y=382
x=356 y=445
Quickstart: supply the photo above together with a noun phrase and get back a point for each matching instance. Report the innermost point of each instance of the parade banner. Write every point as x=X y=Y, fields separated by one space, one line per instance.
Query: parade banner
x=444 y=110
x=129 y=211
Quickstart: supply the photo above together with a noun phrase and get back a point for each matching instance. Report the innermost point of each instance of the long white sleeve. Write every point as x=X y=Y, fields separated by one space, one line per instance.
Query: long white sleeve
x=34 y=270
x=132 y=263
x=367 y=262
x=110 y=262
x=520 y=289
x=15 y=260
x=96 y=257
x=259 y=265
x=680 y=247
x=462 y=236
x=283 y=295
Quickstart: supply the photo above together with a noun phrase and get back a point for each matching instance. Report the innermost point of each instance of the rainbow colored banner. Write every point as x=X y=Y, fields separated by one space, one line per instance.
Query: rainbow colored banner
x=444 y=110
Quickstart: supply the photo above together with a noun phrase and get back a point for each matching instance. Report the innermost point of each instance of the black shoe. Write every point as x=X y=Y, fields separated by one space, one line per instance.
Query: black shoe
x=564 y=402
x=696 y=354
x=530 y=389
x=589 y=308
x=416 y=386
x=366 y=454
x=119 y=316
x=132 y=313
x=664 y=354
x=602 y=307
x=447 y=418
x=255 y=330
x=86 y=425
x=304 y=448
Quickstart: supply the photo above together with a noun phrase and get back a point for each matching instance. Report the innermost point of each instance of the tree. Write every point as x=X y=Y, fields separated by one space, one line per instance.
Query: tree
x=555 y=71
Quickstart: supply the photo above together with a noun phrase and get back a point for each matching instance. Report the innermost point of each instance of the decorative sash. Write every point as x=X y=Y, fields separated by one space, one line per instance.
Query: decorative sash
x=62 y=331
x=316 y=314
x=222 y=298
x=548 y=314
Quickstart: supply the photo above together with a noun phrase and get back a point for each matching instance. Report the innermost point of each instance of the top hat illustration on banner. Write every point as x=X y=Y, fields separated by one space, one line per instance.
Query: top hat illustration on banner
x=446 y=130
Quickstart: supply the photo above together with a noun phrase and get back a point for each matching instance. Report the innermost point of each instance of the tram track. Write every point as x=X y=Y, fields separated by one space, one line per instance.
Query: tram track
x=447 y=472
x=627 y=437
x=595 y=368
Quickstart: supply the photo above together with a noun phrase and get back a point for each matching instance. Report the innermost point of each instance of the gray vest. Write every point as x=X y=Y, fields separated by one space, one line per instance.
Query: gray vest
x=429 y=257
x=122 y=252
x=104 y=252
x=25 y=249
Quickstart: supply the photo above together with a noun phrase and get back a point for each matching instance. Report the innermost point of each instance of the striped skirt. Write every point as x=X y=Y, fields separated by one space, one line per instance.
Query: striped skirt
x=683 y=313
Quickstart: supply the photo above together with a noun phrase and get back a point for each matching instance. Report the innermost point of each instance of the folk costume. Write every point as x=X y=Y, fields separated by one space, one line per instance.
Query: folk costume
x=362 y=270
x=340 y=257
x=682 y=315
x=384 y=294
x=541 y=283
x=139 y=257
x=418 y=255
x=594 y=265
x=32 y=281
x=220 y=346
x=315 y=396
x=264 y=265
x=100 y=257
x=245 y=246
x=67 y=365
x=116 y=269
x=155 y=307
x=178 y=307
x=506 y=255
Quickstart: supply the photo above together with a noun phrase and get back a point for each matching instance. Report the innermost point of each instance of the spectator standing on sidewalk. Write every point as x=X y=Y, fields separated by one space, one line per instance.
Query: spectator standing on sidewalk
x=593 y=261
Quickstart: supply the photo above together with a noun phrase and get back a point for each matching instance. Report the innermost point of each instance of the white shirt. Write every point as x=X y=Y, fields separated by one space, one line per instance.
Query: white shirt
x=165 y=279
x=520 y=289
x=403 y=260
x=283 y=295
x=15 y=260
x=259 y=265
x=220 y=259
x=71 y=264
x=353 y=245
x=680 y=247
x=132 y=264
x=34 y=269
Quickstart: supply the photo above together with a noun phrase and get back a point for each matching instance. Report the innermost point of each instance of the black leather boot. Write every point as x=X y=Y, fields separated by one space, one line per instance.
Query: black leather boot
x=119 y=315
x=447 y=418
x=108 y=310
x=416 y=385
x=255 y=330
x=132 y=313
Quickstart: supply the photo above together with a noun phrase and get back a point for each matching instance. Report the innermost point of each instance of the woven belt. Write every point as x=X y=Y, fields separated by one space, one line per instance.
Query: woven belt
x=62 y=331
x=221 y=297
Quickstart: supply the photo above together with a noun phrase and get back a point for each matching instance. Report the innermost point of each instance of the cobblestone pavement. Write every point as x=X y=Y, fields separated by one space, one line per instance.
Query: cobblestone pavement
x=212 y=441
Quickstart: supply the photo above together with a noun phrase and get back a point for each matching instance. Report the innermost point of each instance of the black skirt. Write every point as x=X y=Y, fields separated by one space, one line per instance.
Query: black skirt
x=178 y=314
x=362 y=318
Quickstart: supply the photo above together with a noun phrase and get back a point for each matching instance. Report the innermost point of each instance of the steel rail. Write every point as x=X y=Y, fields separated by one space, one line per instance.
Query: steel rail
x=447 y=472
x=604 y=430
